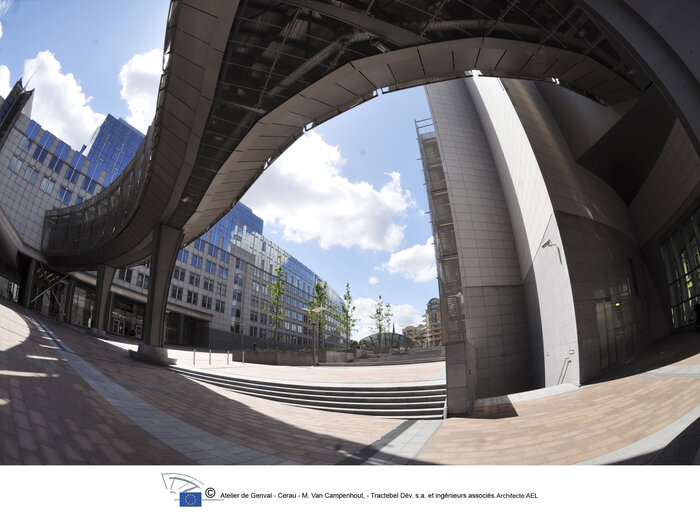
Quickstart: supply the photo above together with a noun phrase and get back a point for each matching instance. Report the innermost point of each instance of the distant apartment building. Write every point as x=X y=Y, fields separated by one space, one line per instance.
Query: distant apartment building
x=417 y=334
x=433 y=324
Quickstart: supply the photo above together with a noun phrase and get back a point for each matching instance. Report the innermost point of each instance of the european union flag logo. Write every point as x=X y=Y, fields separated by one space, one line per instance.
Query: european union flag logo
x=190 y=499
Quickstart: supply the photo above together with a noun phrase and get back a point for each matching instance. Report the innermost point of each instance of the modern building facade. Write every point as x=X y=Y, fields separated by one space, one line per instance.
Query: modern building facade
x=416 y=334
x=220 y=283
x=566 y=231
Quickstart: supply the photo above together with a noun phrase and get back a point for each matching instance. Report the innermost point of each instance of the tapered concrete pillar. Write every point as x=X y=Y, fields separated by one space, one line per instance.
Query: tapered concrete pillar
x=25 y=291
x=68 y=299
x=105 y=276
x=166 y=243
x=181 y=330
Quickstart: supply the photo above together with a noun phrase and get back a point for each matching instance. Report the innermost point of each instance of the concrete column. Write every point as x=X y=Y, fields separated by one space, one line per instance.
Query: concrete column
x=181 y=330
x=105 y=276
x=166 y=243
x=25 y=291
x=68 y=299
x=662 y=38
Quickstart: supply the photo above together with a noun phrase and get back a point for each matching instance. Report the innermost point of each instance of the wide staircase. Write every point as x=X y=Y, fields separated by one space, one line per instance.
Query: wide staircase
x=407 y=401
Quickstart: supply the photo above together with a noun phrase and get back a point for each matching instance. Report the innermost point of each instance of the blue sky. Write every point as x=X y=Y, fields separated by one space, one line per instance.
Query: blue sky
x=358 y=210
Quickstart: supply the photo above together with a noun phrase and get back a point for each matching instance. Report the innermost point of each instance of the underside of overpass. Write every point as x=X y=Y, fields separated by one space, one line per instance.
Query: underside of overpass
x=243 y=80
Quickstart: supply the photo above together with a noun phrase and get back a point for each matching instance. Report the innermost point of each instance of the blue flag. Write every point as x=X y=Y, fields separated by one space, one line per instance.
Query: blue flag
x=190 y=499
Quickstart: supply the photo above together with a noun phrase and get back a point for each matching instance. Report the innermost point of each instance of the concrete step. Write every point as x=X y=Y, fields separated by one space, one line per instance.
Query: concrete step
x=422 y=401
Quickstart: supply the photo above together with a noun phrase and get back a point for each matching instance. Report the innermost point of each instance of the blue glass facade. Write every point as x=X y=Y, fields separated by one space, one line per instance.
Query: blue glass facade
x=232 y=226
x=112 y=147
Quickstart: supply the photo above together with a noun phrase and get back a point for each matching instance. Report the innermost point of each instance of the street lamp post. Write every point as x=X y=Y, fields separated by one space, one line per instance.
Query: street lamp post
x=317 y=324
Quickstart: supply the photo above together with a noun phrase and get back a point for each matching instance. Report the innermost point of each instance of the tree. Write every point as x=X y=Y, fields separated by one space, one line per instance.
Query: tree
x=318 y=299
x=275 y=305
x=382 y=317
x=346 y=316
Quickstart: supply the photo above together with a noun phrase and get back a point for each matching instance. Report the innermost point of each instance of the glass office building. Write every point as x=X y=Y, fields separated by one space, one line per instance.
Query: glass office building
x=111 y=148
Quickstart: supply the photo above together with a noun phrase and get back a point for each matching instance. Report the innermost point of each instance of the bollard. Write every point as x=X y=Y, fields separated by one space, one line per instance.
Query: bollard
x=243 y=356
x=210 y=356
x=193 y=356
x=228 y=353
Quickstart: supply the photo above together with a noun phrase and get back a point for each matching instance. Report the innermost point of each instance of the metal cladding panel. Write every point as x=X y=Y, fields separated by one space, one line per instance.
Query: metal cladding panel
x=376 y=71
x=595 y=78
x=563 y=64
x=540 y=64
x=605 y=90
x=408 y=68
x=438 y=58
x=170 y=147
x=196 y=22
x=489 y=58
x=313 y=109
x=187 y=70
x=190 y=47
x=178 y=115
x=513 y=61
x=330 y=94
x=355 y=82
x=579 y=70
x=184 y=91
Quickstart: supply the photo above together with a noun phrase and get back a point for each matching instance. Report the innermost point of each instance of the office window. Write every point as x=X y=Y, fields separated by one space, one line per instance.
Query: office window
x=223 y=272
x=55 y=165
x=72 y=175
x=253 y=316
x=64 y=195
x=194 y=278
x=206 y=302
x=179 y=273
x=199 y=244
x=124 y=274
x=196 y=261
x=25 y=144
x=15 y=164
x=238 y=279
x=79 y=199
x=235 y=311
x=256 y=287
x=142 y=280
x=208 y=285
x=89 y=185
x=237 y=295
x=225 y=257
x=253 y=331
x=213 y=250
x=31 y=174
x=182 y=255
x=220 y=306
x=192 y=297
x=211 y=267
x=255 y=302
x=220 y=288
x=176 y=292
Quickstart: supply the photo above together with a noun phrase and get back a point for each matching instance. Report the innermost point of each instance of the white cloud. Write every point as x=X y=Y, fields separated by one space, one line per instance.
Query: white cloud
x=0 y=30
x=305 y=193
x=139 y=79
x=416 y=263
x=373 y=280
x=4 y=81
x=59 y=104
x=404 y=315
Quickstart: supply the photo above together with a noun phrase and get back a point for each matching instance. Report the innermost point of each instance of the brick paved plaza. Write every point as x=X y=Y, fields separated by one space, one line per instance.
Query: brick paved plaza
x=68 y=398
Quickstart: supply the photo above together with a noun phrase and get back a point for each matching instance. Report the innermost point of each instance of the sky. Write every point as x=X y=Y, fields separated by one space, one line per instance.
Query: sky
x=347 y=199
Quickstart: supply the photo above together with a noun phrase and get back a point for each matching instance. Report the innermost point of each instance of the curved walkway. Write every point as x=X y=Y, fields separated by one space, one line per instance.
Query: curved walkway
x=66 y=397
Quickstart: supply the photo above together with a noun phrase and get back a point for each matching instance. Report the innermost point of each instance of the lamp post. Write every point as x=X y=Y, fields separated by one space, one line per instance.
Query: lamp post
x=318 y=310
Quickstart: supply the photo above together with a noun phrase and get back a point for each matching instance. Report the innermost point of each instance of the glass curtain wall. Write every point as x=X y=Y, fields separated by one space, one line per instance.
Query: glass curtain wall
x=681 y=255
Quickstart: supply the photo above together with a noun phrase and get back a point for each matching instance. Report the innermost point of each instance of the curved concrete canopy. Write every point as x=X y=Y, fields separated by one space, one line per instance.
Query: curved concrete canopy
x=240 y=84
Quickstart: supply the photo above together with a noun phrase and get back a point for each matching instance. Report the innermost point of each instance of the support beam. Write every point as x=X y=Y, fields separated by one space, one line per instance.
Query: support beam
x=105 y=276
x=68 y=299
x=166 y=242
x=663 y=38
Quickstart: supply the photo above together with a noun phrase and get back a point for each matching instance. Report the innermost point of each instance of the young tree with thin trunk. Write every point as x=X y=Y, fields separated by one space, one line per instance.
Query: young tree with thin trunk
x=346 y=316
x=382 y=318
x=275 y=305
x=318 y=299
